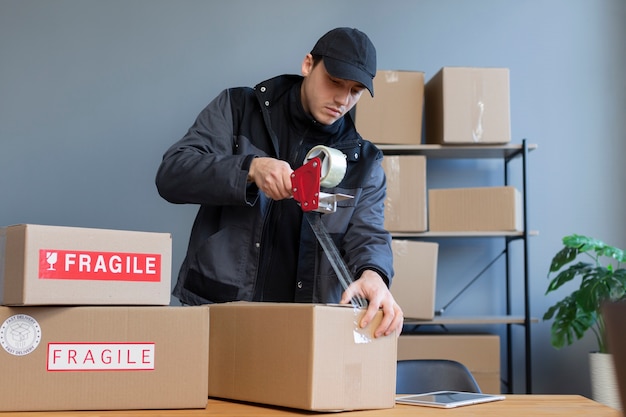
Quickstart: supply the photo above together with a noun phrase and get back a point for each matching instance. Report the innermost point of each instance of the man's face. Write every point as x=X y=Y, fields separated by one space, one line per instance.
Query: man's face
x=325 y=97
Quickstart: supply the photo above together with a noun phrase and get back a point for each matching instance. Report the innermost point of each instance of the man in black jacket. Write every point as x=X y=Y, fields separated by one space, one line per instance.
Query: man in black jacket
x=251 y=240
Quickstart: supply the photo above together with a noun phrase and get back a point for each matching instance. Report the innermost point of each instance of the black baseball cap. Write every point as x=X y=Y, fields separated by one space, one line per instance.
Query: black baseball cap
x=348 y=54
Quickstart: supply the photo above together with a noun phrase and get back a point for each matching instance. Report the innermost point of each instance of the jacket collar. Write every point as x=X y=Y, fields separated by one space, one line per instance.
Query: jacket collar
x=274 y=90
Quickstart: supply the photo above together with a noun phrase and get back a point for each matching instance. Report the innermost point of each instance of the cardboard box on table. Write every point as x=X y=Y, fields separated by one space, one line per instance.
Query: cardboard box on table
x=480 y=353
x=475 y=209
x=405 y=204
x=415 y=280
x=465 y=105
x=394 y=114
x=306 y=356
x=54 y=265
x=103 y=358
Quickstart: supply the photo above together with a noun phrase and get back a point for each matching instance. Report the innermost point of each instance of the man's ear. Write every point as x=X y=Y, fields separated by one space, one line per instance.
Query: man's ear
x=307 y=65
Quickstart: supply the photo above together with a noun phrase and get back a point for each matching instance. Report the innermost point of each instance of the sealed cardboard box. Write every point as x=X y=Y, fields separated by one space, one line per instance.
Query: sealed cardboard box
x=54 y=265
x=306 y=356
x=405 y=204
x=415 y=280
x=479 y=209
x=480 y=353
x=468 y=106
x=394 y=115
x=103 y=358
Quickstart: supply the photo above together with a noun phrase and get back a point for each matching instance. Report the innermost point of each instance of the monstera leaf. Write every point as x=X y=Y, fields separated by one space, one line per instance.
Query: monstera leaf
x=601 y=280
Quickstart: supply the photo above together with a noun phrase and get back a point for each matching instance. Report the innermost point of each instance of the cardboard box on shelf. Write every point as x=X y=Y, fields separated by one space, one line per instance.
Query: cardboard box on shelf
x=103 y=358
x=306 y=356
x=394 y=115
x=415 y=280
x=465 y=105
x=405 y=205
x=480 y=353
x=54 y=265
x=478 y=209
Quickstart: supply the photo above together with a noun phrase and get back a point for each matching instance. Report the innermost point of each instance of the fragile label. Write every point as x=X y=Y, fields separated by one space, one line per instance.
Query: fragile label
x=90 y=356
x=106 y=266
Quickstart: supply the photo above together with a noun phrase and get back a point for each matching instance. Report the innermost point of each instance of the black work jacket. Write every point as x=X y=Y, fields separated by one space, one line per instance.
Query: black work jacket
x=209 y=167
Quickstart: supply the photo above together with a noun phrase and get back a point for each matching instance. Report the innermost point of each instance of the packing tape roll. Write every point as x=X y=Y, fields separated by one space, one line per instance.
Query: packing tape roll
x=333 y=165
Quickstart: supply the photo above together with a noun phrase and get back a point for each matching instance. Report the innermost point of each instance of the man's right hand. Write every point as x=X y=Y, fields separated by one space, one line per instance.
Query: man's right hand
x=272 y=176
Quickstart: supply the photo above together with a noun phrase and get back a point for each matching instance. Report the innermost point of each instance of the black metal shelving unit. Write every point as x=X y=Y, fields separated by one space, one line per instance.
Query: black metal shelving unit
x=507 y=153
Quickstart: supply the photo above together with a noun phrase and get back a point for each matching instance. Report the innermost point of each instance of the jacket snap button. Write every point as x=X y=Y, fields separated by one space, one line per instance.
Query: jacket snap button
x=258 y=245
x=299 y=284
x=267 y=103
x=263 y=89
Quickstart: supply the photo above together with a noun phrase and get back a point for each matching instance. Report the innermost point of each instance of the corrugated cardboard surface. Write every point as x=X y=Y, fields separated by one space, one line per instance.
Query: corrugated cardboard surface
x=479 y=353
x=475 y=209
x=3 y=242
x=414 y=283
x=468 y=106
x=405 y=205
x=394 y=115
x=33 y=341
x=303 y=356
x=23 y=280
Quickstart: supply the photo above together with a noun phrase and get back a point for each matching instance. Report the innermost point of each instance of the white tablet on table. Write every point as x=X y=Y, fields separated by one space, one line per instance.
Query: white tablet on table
x=447 y=399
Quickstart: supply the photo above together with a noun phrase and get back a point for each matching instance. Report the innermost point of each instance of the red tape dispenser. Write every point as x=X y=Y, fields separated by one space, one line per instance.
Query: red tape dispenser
x=324 y=167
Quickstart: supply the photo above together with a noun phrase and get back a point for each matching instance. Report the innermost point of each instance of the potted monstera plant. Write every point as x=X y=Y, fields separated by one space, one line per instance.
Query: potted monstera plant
x=602 y=272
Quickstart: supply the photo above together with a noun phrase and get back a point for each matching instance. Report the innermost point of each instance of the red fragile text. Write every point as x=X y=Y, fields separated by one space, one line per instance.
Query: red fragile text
x=100 y=356
x=114 y=266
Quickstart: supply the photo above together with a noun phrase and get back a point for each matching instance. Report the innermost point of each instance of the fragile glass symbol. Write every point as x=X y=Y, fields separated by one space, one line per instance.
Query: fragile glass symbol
x=51 y=258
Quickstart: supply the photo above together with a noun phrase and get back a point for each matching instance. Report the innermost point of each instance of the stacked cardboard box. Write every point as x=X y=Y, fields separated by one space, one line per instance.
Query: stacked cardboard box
x=88 y=328
x=307 y=356
x=461 y=106
x=480 y=353
x=458 y=105
x=405 y=205
x=470 y=106
x=394 y=116
x=415 y=280
x=85 y=323
x=467 y=106
x=103 y=358
x=54 y=265
x=475 y=209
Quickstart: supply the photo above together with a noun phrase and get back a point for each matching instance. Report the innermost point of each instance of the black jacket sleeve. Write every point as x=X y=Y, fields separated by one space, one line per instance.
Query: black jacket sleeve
x=206 y=166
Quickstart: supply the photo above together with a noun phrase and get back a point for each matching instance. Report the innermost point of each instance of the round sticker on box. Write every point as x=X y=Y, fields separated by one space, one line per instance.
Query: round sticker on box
x=20 y=334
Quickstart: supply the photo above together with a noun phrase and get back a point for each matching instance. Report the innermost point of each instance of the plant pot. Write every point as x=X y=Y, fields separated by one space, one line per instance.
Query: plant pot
x=604 y=387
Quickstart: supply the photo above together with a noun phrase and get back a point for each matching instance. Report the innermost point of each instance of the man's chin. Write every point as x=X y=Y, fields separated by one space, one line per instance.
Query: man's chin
x=327 y=120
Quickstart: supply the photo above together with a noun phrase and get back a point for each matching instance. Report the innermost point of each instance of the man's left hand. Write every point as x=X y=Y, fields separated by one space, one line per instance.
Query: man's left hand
x=372 y=287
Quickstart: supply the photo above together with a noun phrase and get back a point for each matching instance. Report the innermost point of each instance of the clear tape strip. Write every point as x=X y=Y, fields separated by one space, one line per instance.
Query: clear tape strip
x=334 y=257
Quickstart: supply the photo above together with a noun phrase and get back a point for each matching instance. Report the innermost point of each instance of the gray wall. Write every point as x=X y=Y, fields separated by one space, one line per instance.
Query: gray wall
x=93 y=92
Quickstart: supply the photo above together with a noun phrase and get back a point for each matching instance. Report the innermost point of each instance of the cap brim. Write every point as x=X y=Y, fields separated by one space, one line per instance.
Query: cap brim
x=346 y=71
